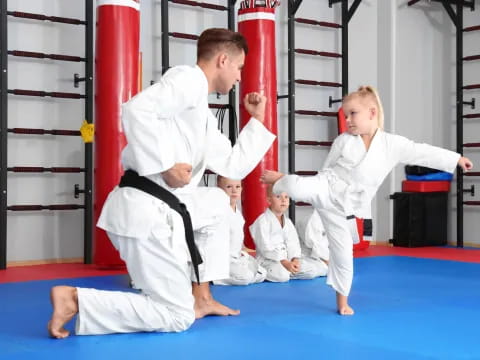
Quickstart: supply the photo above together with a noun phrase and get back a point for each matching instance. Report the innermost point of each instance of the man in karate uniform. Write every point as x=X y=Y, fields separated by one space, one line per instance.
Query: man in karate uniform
x=172 y=138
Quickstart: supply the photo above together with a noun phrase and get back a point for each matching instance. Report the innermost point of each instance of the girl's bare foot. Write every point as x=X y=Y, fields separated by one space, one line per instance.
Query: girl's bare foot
x=342 y=305
x=65 y=306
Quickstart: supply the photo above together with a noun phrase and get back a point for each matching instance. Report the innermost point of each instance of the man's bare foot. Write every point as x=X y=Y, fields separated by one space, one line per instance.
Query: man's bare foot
x=206 y=305
x=342 y=305
x=65 y=306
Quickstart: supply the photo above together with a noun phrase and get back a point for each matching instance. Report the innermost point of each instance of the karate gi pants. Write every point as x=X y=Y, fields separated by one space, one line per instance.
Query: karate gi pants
x=244 y=270
x=159 y=265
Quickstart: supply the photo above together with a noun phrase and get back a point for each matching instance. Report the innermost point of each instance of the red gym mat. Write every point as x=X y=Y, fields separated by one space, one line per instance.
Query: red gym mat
x=427 y=252
x=63 y=271
x=53 y=271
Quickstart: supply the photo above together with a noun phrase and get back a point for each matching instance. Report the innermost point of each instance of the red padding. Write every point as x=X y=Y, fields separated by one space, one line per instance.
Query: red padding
x=425 y=186
x=259 y=74
x=117 y=49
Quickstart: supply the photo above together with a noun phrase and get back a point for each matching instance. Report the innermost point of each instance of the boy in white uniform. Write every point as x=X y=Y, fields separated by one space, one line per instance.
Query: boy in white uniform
x=277 y=244
x=172 y=138
x=244 y=268
x=356 y=166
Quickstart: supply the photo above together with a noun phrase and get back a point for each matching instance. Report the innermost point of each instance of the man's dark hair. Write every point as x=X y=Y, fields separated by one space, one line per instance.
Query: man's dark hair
x=214 y=40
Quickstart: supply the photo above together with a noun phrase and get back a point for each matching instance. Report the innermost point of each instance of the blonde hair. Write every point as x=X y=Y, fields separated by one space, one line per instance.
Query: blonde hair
x=370 y=93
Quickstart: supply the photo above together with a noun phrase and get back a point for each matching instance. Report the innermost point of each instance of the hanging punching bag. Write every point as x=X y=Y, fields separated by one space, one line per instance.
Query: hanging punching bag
x=116 y=81
x=259 y=74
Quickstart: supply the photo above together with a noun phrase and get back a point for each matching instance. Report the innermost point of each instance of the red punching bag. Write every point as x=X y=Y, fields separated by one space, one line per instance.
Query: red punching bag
x=259 y=74
x=363 y=244
x=116 y=81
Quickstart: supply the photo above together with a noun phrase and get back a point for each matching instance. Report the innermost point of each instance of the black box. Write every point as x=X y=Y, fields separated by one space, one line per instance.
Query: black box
x=419 y=219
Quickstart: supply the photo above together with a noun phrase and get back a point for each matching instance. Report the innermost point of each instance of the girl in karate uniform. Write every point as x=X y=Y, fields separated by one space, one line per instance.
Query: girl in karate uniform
x=356 y=166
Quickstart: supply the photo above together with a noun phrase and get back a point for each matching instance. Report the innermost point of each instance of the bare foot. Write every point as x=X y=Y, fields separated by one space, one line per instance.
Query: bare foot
x=342 y=305
x=65 y=306
x=206 y=305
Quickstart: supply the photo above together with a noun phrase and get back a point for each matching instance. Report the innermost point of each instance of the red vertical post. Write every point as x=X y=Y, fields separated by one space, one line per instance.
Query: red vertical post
x=260 y=75
x=116 y=81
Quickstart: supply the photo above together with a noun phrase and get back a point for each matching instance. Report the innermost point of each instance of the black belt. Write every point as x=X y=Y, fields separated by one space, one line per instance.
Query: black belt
x=132 y=179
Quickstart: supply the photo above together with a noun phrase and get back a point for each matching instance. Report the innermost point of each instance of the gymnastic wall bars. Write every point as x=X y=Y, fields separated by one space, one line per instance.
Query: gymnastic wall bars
x=457 y=18
x=87 y=170
x=167 y=34
x=346 y=15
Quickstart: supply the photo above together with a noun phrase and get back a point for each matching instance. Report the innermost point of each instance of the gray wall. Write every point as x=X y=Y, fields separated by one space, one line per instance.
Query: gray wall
x=43 y=234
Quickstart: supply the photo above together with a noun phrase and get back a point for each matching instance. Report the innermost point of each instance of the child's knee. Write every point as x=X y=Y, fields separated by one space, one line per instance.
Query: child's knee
x=278 y=275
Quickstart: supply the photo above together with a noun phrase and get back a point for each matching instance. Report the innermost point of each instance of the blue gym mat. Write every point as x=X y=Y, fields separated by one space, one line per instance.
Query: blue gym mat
x=406 y=308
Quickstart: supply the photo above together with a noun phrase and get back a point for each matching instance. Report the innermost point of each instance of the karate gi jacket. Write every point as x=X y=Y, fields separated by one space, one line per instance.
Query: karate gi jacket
x=170 y=122
x=361 y=172
x=272 y=241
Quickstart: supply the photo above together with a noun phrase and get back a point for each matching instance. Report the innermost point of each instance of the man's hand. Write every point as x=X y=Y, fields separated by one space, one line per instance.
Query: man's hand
x=270 y=177
x=178 y=175
x=255 y=105
x=465 y=163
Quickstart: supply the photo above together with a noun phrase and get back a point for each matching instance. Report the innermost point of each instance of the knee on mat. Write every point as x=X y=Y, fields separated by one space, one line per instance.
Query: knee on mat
x=241 y=281
x=278 y=276
x=181 y=321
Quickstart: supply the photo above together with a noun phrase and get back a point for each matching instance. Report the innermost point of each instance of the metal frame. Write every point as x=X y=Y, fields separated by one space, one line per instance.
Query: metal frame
x=457 y=19
x=4 y=91
x=88 y=178
x=3 y=133
x=347 y=14
x=458 y=23
x=232 y=120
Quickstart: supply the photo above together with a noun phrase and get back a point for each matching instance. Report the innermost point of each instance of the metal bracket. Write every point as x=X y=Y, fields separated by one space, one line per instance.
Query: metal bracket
x=77 y=191
x=352 y=9
x=294 y=5
x=331 y=101
x=77 y=79
x=332 y=2
x=471 y=190
x=471 y=103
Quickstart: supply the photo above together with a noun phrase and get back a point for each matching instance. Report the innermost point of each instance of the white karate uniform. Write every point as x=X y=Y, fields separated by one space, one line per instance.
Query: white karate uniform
x=347 y=184
x=314 y=241
x=275 y=243
x=244 y=268
x=169 y=123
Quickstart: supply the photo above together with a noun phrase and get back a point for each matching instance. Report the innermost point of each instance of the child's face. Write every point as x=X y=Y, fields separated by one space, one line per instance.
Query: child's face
x=233 y=188
x=279 y=203
x=360 y=116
